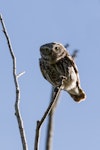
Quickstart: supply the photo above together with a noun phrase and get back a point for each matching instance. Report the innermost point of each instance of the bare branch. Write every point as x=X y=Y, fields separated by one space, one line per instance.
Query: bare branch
x=74 y=54
x=67 y=45
x=49 y=135
x=17 y=110
x=39 y=123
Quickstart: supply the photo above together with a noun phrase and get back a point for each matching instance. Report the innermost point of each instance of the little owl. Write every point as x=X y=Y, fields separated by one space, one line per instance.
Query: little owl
x=56 y=65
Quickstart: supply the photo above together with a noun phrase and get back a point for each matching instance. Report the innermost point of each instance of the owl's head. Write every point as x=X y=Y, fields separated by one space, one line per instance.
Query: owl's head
x=52 y=52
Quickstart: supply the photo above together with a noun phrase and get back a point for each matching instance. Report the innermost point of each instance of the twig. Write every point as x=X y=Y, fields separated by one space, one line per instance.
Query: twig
x=20 y=74
x=67 y=45
x=39 y=123
x=17 y=110
x=74 y=54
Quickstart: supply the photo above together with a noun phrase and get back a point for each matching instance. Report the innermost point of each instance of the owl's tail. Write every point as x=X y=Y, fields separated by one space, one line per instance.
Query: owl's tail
x=78 y=97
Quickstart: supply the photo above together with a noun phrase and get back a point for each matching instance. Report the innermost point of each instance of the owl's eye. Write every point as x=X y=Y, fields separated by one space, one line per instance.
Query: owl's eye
x=57 y=49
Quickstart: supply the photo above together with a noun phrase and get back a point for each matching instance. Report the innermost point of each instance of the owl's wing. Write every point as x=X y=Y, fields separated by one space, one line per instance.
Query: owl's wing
x=81 y=95
x=75 y=69
x=42 y=68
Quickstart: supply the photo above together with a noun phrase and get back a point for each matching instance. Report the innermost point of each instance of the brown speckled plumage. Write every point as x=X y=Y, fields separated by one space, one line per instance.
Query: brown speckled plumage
x=55 y=64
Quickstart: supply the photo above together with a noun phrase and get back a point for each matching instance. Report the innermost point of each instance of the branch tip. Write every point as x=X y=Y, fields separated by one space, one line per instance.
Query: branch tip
x=20 y=74
x=0 y=17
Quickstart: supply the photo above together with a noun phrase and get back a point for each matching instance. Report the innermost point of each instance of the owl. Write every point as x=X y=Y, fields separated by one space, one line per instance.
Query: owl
x=56 y=64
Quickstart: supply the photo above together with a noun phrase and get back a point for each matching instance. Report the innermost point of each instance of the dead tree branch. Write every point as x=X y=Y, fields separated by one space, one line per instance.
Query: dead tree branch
x=49 y=135
x=39 y=123
x=17 y=109
x=74 y=54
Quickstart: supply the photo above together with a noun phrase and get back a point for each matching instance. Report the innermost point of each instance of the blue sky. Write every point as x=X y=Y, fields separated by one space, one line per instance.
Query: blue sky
x=31 y=24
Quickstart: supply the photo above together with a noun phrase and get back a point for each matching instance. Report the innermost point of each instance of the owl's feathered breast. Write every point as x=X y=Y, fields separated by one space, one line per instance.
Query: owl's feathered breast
x=62 y=68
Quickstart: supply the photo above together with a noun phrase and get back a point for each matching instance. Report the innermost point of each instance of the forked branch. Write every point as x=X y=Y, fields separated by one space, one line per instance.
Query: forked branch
x=17 y=110
x=39 y=123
